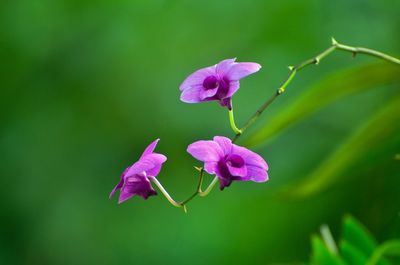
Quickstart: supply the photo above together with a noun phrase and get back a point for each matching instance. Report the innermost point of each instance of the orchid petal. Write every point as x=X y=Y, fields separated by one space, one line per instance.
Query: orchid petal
x=257 y=174
x=211 y=167
x=206 y=151
x=207 y=93
x=250 y=157
x=225 y=144
x=237 y=171
x=197 y=78
x=150 y=148
x=233 y=87
x=224 y=66
x=192 y=94
x=241 y=70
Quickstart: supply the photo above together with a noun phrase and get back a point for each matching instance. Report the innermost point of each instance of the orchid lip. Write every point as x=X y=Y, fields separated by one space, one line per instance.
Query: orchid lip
x=210 y=82
x=234 y=161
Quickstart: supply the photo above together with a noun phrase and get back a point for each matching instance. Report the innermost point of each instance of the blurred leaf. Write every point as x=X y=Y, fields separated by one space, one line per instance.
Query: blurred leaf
x=351 y=254
x=357 y=247
x=389 y=248
x=375 y=132
x=325 y=92
x=355 y=234
x=321 y=255
x=358 y=244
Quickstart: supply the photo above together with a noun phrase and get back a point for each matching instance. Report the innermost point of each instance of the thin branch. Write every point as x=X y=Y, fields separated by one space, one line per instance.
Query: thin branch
x=198 y=189
x=183 y=203
x=209 y=188
x=165 y=193
x=315 y=60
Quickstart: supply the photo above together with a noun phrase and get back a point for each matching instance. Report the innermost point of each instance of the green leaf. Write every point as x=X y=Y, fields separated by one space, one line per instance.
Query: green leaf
x=357 y=243
x=355 y=234
x=321 y=255
x=325 y=92
x=351 y=254
x=382 y=128
x=389 y=248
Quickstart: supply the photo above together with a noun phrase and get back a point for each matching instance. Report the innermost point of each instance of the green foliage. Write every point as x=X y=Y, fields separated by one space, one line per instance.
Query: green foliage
x=321 y=254
x=389 y=248
x=355 y=234
x=380 y=129
x=357 y=247
x=351 y=254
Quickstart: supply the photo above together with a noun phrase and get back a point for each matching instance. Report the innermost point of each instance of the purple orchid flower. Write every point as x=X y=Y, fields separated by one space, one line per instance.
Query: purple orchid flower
x=217 y=82
x=229 y=161
x=135 y=180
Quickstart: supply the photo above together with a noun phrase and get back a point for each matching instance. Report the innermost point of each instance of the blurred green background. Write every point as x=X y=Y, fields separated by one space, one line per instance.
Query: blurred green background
x=87 y=85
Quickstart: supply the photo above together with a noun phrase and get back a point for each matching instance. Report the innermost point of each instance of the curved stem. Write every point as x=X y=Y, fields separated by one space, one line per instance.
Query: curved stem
x=209 y=188
x=367 y=51
x=184 y=202
x=235 y=129
x=166 y=194
x=198 y=189
x=315 y=60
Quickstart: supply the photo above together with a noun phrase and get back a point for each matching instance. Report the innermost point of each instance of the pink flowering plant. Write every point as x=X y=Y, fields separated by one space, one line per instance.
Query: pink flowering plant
x=218 y=82
x=221 y=156
x=135 y=180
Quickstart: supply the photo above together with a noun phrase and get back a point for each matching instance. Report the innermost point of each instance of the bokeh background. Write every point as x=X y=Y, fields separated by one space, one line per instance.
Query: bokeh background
x=86 y=85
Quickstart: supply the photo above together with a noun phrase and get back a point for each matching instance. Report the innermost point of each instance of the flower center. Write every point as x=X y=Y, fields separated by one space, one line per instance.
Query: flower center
x=211 y=82
x=134 y=179
x=137 y=178
x=223 y=88
x=234 y=161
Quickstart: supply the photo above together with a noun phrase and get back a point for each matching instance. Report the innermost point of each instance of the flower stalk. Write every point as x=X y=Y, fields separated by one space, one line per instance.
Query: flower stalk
x=235 y=129
x=198 y=191
x=209 y=188
x=166 y=194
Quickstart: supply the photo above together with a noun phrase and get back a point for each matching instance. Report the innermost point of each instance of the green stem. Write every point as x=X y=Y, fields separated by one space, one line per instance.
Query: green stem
x=232 y=121
x=367 y=51
x=184 y=202
x=198 y=189
x=209 y=188
x=315 y=60
x=166 y=194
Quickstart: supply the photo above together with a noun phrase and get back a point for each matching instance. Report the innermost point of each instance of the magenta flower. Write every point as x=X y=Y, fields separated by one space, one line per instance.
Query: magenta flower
x=229 y=161
x=218 y=82
x=135 y=180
